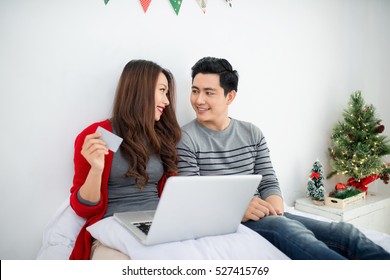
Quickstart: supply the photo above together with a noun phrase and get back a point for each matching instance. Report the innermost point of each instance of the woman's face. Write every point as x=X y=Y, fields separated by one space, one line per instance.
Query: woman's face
x=161 y=96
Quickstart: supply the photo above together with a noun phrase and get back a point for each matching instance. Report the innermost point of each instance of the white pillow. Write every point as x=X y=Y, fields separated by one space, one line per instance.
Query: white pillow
x=244 y=244
x=60 y=234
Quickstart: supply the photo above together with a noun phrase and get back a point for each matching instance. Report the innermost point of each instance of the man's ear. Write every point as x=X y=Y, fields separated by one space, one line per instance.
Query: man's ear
x=230 y=96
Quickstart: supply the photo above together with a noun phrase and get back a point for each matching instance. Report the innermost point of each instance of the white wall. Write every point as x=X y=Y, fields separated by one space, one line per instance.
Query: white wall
x=60 y=60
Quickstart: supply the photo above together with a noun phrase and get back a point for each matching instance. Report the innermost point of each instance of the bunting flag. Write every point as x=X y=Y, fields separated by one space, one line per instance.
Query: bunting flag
x=202 y=5
x=145 y=4
x=176 y=5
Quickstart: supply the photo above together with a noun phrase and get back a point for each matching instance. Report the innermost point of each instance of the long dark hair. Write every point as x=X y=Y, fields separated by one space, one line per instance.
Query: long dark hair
x=134 y=119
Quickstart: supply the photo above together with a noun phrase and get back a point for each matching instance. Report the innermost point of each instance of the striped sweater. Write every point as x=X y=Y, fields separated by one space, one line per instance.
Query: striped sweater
x=239 y=149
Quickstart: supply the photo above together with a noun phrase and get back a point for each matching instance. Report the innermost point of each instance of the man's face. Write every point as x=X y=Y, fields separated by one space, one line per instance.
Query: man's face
x=209 y=101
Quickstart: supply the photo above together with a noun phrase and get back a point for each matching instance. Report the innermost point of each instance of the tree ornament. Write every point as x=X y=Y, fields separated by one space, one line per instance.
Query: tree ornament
x=385 y=174
x=385 y=178
x=380 y=128
x=340 y=186
x=351 y=137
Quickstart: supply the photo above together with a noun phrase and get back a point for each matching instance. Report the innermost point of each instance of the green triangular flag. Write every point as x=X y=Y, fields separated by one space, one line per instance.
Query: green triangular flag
x=176 y=5
x=106 y=1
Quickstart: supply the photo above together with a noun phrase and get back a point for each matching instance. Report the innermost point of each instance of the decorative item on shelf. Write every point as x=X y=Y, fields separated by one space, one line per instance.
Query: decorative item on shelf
x=343 y=196
x=385 y=175
x=315 y=187
x=340 y=187
x=362 y=183
x=358 y=148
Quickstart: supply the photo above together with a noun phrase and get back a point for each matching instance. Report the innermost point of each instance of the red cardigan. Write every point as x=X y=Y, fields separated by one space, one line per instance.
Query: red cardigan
x=93 y=214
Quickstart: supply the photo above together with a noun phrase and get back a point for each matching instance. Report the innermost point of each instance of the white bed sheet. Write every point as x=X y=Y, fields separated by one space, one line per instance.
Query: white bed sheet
x=245 y=244
x=61 y=232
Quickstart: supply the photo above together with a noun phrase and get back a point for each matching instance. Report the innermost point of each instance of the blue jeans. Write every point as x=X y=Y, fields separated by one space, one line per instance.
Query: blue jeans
x=302 y=238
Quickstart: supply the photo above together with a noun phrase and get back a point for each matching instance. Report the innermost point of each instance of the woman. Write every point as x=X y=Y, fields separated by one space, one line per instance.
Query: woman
x=132 y=178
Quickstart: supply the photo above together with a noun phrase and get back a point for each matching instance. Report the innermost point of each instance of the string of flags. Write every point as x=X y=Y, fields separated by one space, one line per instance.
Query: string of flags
x=176 y=4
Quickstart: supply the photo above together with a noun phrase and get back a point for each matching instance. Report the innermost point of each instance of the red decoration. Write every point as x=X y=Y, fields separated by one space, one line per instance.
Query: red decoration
x=362 y=183
x=315 y=174
x=380 y=128
x=351 y=137
x=145 y=4
x=385 y=178
x=340 y=186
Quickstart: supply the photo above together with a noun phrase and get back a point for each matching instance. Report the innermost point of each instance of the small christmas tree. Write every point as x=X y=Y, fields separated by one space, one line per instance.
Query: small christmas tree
x=315 y=187
x=357 y=147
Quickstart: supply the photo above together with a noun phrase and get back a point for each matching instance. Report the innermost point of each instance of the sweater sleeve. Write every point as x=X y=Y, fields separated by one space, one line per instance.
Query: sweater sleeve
x=81 y=170
x=187 y=164
x=263 y=165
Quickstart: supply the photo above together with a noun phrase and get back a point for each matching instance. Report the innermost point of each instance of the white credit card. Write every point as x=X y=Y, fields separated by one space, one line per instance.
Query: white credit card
x=112 y=141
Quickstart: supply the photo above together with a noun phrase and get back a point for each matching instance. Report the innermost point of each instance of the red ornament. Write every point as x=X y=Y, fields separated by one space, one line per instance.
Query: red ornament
x=340 y=187
x=380 y=128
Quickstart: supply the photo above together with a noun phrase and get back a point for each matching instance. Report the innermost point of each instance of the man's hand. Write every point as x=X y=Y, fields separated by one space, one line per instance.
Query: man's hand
x=257 y=209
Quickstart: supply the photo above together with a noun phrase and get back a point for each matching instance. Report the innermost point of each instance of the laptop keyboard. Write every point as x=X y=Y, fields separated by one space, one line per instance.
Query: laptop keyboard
x=144 y=226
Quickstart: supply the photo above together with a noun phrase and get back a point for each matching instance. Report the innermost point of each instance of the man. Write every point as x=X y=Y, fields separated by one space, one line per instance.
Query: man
x=215 y=144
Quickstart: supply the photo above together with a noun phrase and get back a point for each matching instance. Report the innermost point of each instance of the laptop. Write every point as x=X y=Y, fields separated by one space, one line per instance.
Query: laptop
x=193 y=207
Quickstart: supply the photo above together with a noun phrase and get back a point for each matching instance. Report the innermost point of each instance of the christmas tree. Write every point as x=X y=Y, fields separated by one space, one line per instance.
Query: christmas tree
x=358 y=147
x=315 y=187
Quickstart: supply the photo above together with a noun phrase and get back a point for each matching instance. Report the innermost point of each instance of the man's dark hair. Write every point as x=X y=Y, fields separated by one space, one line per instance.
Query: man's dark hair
x=228 y=78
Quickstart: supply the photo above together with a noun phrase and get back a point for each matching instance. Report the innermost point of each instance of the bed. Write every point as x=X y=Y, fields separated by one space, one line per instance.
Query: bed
x=60 y=234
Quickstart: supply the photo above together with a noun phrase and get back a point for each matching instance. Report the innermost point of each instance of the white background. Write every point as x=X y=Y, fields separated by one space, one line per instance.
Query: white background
x=298 y=61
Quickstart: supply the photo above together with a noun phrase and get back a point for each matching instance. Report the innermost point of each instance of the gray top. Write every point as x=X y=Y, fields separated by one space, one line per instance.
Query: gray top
x=239 y=149
x=124 y=194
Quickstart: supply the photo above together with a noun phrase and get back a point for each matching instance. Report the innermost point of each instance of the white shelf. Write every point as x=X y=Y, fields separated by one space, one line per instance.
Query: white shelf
x=373 y=212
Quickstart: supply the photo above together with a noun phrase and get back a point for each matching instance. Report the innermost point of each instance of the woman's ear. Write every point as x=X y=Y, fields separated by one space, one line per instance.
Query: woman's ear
x=230 y=96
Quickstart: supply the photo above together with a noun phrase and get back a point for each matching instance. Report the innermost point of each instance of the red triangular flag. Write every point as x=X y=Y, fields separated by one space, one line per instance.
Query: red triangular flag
x=145 y=4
